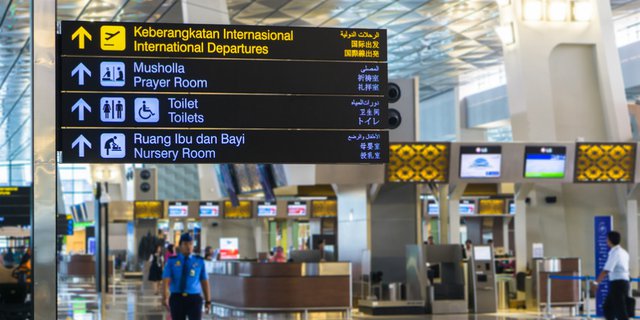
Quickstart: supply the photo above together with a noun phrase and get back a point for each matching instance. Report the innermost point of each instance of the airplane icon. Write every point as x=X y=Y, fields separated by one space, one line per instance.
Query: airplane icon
x=111 y=35
x=113 y=38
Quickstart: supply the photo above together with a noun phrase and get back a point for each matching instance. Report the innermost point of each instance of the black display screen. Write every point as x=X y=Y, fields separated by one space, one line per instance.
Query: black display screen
x=15 y=206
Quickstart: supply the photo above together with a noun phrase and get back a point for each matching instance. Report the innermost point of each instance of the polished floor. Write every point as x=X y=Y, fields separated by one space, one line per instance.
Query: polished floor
x=129 y=301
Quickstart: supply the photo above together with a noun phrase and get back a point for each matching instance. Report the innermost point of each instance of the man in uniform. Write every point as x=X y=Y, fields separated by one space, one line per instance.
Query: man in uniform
x=185 y=283
x=617 y=269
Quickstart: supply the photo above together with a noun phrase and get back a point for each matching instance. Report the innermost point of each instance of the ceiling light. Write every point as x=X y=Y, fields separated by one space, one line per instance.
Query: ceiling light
x=502 y=3
x=533 y=10
x=506 y=34
x=582 y=11
x=558 y=10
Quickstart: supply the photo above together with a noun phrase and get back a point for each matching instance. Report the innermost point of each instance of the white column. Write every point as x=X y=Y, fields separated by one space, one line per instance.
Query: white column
x=453 y=224
x=505 y=233
x=354 y=227
x=520 y=226
x=556 y=70
x=443 y=204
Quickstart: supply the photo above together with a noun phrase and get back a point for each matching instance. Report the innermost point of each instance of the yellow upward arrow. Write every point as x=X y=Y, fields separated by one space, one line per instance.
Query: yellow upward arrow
x=81 y=34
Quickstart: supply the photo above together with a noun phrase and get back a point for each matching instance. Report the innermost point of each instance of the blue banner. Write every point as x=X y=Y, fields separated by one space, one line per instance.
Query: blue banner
x=602 y=226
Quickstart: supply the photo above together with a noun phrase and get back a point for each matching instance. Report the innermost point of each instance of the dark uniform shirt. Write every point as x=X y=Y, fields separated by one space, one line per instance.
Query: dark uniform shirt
x=196 y=272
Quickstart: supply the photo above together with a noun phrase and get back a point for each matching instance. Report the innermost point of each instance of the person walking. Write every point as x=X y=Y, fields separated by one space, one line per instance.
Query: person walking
x=617 y=268
x=156 y=261
x=185 y=283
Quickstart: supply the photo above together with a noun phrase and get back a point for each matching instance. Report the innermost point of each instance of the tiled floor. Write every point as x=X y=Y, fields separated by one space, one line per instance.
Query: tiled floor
x=75 y=301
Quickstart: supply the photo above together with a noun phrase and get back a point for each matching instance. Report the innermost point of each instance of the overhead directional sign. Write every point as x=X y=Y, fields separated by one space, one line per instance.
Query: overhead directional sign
x=223 y=41
x=213 y=93
x=100 y=109
x=223 y=146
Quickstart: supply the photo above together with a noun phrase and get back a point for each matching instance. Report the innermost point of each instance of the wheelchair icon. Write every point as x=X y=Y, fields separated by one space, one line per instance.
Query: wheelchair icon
x=146 y=110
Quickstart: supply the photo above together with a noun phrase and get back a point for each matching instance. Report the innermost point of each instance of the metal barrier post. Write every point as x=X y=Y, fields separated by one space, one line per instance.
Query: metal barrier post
x=588 y=300
x=547 y=312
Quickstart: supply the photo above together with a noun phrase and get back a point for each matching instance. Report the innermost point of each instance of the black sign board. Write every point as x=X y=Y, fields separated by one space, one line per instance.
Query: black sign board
x=222 y=41
x=300 y=95
x=205 y=110
x=64 y=225
x=223 y=146
x=227 y=76
x=15 y=206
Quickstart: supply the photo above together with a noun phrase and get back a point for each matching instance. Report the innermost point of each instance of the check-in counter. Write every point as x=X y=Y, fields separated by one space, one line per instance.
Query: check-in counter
x=81 y=265
x=281 y=286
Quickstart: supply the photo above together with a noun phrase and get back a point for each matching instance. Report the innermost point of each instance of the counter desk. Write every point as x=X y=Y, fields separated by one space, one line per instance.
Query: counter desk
x=253 y=286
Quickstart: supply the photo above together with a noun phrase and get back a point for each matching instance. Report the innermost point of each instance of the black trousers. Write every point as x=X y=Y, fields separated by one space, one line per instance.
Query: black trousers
x=185 y=306
x=615 y=305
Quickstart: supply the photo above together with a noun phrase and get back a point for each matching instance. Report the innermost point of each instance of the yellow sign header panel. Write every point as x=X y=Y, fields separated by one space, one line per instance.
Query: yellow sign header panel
x=243 y=211
x=148 y=209
x=419 y=162
x=222 y=41
x=491 y=206
x=324 y=208
x=605 y=162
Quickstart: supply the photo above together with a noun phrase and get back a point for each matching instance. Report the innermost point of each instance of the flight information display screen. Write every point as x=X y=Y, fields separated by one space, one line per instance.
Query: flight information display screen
x=267 y=209
x=178 y=210
x=545 y=162
x=296 y=209
x=467 y=207
x=480 y=162
x=209 y=210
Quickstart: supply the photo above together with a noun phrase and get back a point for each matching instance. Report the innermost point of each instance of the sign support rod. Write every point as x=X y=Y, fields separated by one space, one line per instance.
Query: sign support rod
x=43 y=35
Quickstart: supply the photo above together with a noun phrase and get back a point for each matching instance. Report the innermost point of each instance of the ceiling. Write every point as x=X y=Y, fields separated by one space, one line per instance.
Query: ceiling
x=437 y=40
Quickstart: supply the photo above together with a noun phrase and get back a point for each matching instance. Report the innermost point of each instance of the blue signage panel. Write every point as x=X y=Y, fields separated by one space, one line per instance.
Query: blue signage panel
x=602 y=225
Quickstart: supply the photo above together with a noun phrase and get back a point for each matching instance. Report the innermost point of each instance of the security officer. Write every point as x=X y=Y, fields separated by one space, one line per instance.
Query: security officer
x=617 y=269
x=186 y=279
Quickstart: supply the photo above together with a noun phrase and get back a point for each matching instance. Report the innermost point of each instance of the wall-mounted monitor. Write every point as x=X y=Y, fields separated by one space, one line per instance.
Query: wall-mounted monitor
x=512 y=207
x=480 y=162
x=178 y=209
x=482 y=253
x=545 y=162
x=267 y=209
x=296 y=209
x=467 y=207
x=433 y=209
x=209 y=209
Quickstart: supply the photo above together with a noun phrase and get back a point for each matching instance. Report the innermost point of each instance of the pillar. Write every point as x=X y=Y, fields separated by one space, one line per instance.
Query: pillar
x=565 y=84
x=354 y=228
x=43 y=35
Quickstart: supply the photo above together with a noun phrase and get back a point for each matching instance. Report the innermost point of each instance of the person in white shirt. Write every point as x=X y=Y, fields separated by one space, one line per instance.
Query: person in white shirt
x=617 y=268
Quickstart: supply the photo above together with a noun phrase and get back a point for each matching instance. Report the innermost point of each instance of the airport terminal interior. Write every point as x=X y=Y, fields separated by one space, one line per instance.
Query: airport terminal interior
x=459 y=159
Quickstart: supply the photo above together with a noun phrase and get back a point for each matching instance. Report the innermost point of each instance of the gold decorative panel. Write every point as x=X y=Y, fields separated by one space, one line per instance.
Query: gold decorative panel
x=418 y=162
x=148 y=209
x=324 y=208
x=243 y=211
x=605 y=162
x=491 y=206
